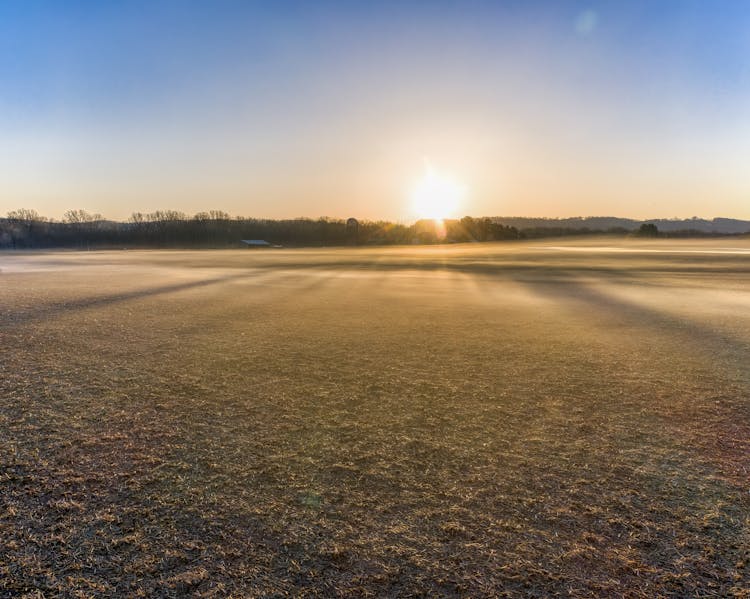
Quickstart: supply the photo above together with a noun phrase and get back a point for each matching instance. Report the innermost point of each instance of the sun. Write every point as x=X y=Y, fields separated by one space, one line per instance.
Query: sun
x=437 y=195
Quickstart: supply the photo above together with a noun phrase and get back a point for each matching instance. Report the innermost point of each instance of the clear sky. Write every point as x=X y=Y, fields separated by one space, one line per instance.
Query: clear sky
x=282 y=109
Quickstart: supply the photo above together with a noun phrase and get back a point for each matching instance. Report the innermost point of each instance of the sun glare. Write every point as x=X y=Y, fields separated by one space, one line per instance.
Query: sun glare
x=437 y=195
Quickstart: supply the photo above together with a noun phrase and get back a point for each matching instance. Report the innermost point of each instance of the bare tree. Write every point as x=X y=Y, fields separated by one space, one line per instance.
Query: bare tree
x=24 y=215
x=80 y=216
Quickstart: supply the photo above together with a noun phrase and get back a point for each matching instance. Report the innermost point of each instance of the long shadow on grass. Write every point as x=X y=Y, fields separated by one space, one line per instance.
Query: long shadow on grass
x=57 y=309
x=589 y=298
x=624 y=265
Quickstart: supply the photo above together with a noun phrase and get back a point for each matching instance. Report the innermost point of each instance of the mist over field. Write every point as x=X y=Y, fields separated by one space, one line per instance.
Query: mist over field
x=526 y=419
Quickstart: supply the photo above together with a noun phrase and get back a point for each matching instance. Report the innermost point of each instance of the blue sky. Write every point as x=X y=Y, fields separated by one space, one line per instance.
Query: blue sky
x=330 y=108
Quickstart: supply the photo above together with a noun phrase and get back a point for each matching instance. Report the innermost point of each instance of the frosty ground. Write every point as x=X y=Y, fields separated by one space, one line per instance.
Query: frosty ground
x=519 y=419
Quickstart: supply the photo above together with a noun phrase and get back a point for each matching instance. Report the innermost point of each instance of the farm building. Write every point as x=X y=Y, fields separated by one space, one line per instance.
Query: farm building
x=256 y=243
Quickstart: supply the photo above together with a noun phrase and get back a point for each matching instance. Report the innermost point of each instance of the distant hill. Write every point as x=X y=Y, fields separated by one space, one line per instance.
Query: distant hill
x=603 y=223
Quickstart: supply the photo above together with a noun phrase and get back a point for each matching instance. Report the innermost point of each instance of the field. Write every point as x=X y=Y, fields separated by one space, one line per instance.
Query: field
x=519 y=419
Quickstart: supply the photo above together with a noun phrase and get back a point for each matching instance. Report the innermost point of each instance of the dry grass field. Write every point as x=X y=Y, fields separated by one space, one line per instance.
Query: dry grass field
x=521 y=420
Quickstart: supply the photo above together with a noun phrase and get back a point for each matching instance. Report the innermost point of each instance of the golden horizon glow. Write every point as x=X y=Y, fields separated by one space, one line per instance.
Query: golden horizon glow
x=437 y=195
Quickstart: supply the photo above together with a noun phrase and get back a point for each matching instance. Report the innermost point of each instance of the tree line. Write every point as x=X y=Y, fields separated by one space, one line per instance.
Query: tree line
x=25 y=229
x=79 y=229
